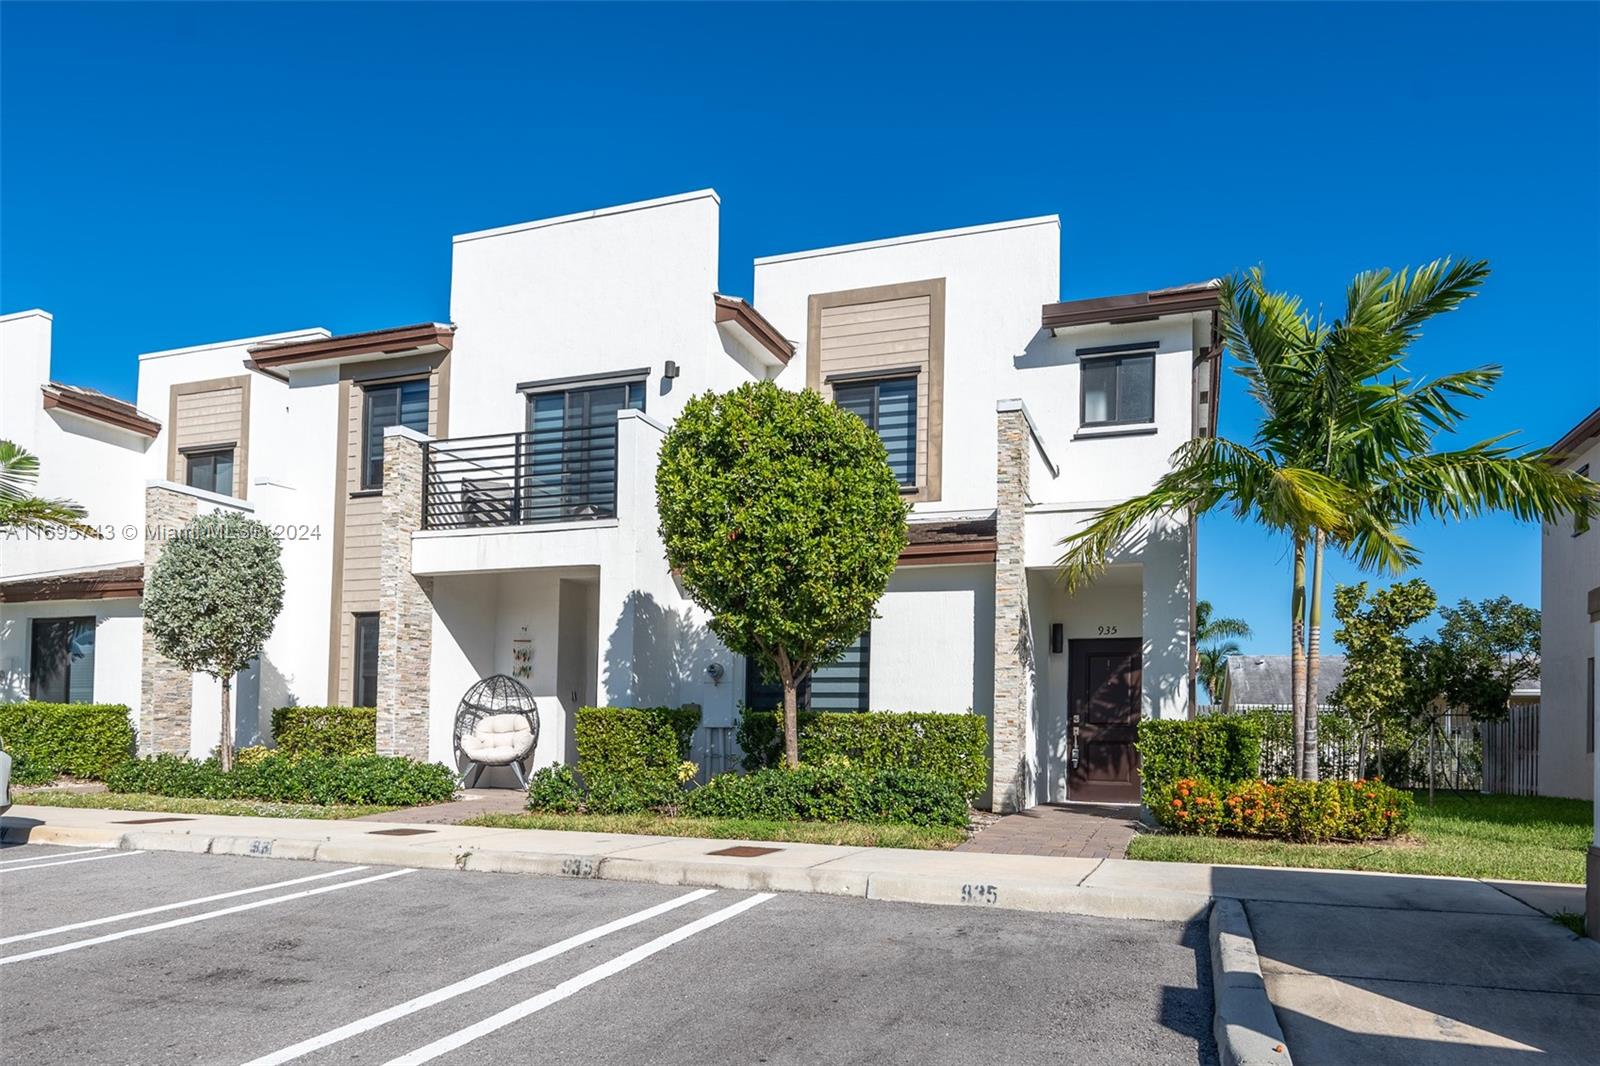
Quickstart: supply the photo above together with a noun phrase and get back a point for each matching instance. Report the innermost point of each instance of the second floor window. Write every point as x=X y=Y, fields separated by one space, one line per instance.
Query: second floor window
x=890 y=407
x=1119 y=390
x=211 y=471
x=403 y=403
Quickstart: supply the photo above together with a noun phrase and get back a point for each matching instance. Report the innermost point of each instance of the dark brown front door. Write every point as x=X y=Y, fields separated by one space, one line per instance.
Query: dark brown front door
x=1104 y=692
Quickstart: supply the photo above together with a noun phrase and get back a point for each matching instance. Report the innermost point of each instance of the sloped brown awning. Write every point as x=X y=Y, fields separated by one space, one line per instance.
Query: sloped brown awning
x=109 y=583
x=968 y=540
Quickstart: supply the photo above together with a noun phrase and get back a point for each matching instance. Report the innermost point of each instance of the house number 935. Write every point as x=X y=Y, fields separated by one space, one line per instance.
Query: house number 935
x=1106 y=631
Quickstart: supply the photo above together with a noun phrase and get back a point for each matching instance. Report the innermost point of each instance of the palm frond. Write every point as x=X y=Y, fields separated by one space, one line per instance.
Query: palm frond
x=19 y=471
x=33 y=513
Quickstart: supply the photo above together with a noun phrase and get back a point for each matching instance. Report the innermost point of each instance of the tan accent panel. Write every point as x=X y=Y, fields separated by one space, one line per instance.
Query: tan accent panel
x=358 y=515
x=213 y=412
x=888 y=328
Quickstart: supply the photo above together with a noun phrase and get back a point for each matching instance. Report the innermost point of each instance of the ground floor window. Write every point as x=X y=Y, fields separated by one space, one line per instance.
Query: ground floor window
x=366 y=672
x=837 y=686
x=62 y=665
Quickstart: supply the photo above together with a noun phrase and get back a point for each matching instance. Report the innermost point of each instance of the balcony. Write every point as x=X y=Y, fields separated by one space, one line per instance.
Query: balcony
x=520 y=479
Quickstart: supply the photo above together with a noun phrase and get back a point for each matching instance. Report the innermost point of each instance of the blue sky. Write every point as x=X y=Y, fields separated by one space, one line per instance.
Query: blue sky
x=177 y=174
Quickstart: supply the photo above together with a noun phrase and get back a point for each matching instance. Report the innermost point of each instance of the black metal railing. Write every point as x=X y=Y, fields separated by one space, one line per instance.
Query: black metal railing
x=514 y=479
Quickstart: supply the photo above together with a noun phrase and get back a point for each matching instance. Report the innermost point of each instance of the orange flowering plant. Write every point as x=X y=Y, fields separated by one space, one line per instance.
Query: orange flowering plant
x=1301 y=811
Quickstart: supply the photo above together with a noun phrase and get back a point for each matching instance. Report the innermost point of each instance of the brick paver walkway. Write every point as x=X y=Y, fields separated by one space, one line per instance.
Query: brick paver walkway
x=1072 y=830
x=468 y=804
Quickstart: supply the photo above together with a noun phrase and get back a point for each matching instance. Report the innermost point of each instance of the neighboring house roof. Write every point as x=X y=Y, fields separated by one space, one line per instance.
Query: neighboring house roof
x=98 y=406
x=755 y=326
x=397 y=340
x=1263 y=680
x=105 y=583
x=965 y=540
x=1134 y=306
x=1572 y=443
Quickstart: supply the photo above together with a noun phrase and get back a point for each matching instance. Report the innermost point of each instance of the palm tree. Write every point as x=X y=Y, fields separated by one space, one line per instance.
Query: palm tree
x=20 y=509
x=1349 y=442
x=1214 y=643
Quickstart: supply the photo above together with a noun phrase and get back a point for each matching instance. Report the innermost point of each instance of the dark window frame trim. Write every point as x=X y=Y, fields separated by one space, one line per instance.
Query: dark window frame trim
x=1583 y=471
x=888 y=373
x=33 y=680
x=356 y=618
x=367 y=389
x=1119 y=353
x=566 y=384
x=192 y=453
x=882 y=378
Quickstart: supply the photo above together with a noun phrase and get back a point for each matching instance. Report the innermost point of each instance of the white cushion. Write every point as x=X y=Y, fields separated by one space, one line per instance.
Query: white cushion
x=498 y=738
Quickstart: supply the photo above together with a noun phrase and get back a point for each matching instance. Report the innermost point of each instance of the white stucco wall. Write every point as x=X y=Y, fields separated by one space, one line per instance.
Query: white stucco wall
x=117 y=636
x=1570 y=567
x=933 y=641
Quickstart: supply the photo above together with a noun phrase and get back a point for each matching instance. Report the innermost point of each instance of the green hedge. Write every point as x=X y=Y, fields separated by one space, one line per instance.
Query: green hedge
x=1301 y=811
x=630 y=757
x=331 y=731
x=380 y=780
x=833 y=792
x=1217 y=747
x=954 y=746
x=47 y=740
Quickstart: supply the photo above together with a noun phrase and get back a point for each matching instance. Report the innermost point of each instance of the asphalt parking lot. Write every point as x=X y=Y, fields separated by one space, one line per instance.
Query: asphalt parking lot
x=149 y=958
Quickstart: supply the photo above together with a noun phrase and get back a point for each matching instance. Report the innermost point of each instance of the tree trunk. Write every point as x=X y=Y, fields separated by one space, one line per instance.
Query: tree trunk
x=225 y=742
x=1297 y=657
x=791 y=716
x=1312 y=758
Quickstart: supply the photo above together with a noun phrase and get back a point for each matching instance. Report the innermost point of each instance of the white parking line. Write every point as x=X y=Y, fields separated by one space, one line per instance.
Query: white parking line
x=48 y=855
x=174 y=923
x=571 y=986
x=477 y=980
x=175 y=906
x=69 y=862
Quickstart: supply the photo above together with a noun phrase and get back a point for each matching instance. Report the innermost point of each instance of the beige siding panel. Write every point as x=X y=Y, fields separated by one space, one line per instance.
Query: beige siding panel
x=877 y=310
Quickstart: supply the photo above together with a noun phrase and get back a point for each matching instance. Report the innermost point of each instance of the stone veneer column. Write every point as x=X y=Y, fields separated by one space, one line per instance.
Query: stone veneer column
x=1013 y=653
x=405 y=606
x=166 y=692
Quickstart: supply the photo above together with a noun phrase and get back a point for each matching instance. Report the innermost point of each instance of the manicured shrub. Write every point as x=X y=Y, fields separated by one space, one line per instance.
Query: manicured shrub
x=832 y=792
x=954 y=746
x=326 y=730
x=380 y=780
x=629 y=757
x=1301 y=811
x=50 y=739
x=554 y=789
x=1217 y=747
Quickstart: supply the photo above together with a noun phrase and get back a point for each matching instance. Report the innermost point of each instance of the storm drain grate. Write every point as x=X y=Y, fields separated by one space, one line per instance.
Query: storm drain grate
x=397 y=832
x=150 y=821
x=744 y=851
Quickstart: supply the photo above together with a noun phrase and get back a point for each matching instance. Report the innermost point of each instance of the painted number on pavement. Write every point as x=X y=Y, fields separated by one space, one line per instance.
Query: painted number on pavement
x=261 y=847
x=985 y=894
x=578 y=867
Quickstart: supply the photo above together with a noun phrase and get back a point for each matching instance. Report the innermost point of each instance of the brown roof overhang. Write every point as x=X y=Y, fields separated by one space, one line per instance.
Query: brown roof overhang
x=401 y=340
x=115 y=582
x=754 y=323
x=962 y=541
x=101 y=408
x=1569 y=445
x=1133 y=307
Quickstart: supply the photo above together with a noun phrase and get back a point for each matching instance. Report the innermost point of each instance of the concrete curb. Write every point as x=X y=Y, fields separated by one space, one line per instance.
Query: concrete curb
x=854 y=878
x=1244 y=1023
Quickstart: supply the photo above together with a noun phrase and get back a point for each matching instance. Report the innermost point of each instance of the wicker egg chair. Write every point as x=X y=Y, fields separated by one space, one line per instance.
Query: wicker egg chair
x=497 y=724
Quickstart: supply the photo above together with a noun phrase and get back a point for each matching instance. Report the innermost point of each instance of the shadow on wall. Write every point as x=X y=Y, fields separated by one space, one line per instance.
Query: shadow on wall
x=653 y=653
x=1166 y=663
x=258 y=690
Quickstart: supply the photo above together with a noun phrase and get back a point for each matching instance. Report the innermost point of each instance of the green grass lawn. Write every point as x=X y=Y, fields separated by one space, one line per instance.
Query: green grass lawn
x=129 y=801
x=1517 y=838
x=852 y=833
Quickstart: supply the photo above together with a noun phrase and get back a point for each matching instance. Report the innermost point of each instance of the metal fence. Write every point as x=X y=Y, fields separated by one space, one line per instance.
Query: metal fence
x=513 y=479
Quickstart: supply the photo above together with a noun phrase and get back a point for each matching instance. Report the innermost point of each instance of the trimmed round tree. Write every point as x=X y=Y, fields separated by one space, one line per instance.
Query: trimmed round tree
x=211 y=601
x=784 y=522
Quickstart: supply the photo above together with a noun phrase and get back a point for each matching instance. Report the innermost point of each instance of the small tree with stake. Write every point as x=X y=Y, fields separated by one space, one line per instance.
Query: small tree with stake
x=783 y=520
x=212 y=599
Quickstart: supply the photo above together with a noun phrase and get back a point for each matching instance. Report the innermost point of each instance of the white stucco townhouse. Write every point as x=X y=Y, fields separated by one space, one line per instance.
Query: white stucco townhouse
x=477 y=497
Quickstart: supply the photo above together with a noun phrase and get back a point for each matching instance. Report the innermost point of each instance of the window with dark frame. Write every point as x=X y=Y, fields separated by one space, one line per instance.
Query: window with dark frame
x=889 y=407
x=1589 y=706
x=210 y=470
x=365 y=690
x=1577 y=530
x=570 y=469
x=61 y=661
x=399 y=403
x=1118 y=385
x=837 y=686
